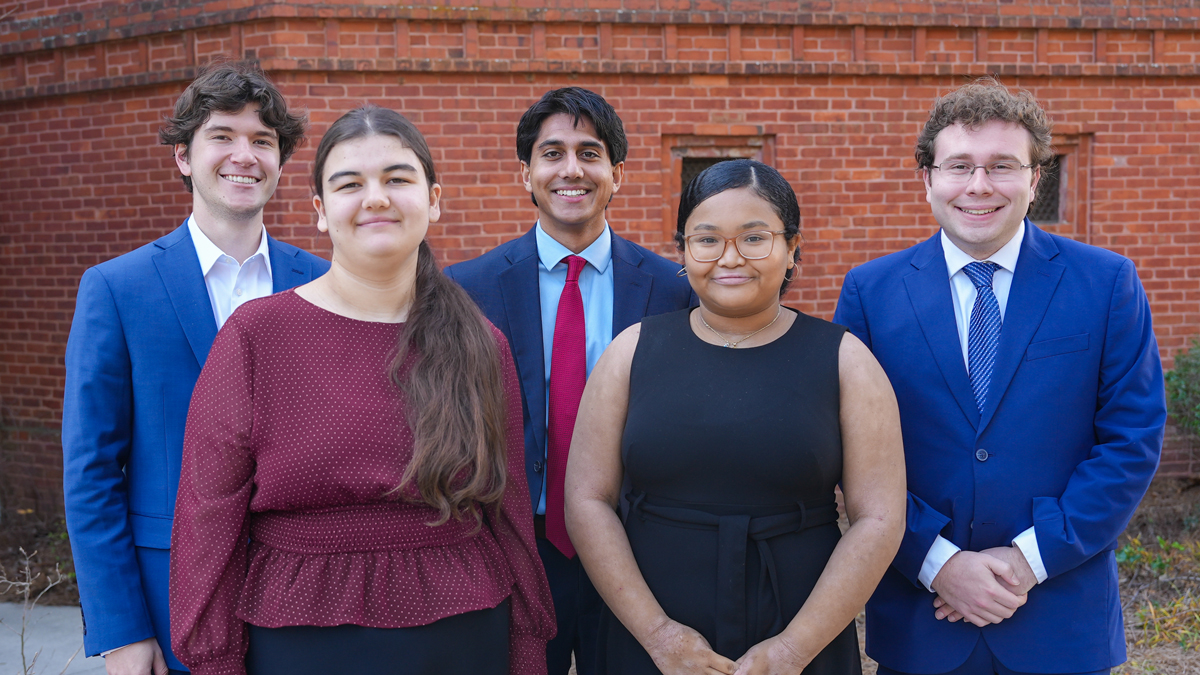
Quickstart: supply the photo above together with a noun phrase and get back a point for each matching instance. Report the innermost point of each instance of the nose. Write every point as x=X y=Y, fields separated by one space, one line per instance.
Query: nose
x=979 y=182
x=375 y=197
x=731 y=256
x=571 y=167
x=243 y=153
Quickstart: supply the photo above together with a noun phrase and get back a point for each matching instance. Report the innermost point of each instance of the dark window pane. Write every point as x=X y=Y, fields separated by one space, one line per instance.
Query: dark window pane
x=692 y=166
x=1047 y=208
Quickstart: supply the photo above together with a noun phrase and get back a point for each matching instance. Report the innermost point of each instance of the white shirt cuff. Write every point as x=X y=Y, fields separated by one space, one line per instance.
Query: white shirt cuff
x=103 y=654
x=938 y=554
x=1026 y=543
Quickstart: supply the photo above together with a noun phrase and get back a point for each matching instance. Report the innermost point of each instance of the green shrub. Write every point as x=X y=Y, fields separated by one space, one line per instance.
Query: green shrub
x=1183 y=390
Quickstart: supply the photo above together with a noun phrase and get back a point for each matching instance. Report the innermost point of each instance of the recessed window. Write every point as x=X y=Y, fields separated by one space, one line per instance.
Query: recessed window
x=693 y=166
x=1047 y=209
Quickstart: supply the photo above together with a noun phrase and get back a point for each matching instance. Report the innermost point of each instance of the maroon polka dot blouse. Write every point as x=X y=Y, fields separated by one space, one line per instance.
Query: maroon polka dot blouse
x=295 y=437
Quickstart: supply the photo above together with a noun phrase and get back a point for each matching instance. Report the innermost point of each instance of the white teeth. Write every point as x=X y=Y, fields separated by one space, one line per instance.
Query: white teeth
x=240 y=179
x=571 y=193
x=980 y=212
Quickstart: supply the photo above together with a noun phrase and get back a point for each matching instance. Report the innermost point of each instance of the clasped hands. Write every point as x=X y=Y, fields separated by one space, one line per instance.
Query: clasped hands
x=677 y=650
x=984 y=587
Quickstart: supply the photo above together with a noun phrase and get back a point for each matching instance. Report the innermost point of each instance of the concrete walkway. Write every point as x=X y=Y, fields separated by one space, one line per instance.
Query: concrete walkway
x=57 y=631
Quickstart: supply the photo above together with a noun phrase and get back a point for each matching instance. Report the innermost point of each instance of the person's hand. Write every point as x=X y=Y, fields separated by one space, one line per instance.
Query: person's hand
x=1019 y=564
x=138 y=658
x=977 y=587
x=679 y=650
x=774 y=656
x=1020 y=567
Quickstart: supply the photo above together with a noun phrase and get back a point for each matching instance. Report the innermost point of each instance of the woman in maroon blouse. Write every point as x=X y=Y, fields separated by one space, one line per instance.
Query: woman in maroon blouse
x=352 y=497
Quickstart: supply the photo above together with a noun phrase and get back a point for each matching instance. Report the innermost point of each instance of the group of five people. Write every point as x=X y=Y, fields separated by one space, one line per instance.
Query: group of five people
x=358 y=471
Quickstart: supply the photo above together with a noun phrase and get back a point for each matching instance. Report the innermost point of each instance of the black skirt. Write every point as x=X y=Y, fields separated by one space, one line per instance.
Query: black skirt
x=474 y=642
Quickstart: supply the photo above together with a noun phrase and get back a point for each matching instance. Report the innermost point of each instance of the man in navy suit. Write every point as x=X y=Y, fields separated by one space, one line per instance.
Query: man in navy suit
x=142 y=329
x=1031 y=399
x=572 y=149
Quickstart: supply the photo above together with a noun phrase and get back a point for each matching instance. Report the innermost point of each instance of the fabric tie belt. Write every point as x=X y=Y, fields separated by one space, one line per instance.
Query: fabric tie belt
x=734 y=532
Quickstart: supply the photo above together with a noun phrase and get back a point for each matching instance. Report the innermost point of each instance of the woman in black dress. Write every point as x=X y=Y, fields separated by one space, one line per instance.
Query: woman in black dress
x=734 y=422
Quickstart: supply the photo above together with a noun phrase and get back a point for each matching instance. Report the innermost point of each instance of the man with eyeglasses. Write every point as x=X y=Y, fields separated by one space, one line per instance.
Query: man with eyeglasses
x=1031 y=398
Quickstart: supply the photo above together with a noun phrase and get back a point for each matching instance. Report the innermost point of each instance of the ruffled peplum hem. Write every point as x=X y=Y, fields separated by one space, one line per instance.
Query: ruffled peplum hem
x=390 y=588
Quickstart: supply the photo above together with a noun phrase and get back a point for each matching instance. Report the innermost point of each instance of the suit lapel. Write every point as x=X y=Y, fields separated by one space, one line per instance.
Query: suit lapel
x=929 y=291
x=1033 y=285
x=631 y=285
x=287 y=269
x=179 y=269
x=522 y=309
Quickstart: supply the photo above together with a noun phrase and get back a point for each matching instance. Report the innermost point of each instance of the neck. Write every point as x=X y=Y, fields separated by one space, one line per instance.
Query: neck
x=237 y=238
x=576 y=239
x=737 y=325
x=366 y=297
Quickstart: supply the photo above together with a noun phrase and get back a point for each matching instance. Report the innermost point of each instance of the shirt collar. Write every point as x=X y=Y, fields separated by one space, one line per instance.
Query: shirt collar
x=1006 y=257
x=551 y=252
x=209 y=253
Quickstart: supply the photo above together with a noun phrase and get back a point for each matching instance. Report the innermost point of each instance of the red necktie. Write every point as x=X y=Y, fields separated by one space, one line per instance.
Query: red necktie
x=568 y=374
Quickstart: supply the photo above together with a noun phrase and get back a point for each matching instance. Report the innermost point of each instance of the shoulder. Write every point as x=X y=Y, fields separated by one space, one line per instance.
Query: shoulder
x=1086 y=257
x=288 y=250
x=644 y=258
x=888 y=266
x=484 y=267
x=275 y=315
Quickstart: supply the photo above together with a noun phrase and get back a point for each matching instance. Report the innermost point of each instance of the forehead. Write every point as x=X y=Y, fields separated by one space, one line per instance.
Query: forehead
x=992 y=139
x=369 y=154
x=561 y=129
x=734 y=210
x=246 y=120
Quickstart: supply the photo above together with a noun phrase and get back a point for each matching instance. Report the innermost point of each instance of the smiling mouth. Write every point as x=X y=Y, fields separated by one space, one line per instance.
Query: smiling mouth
x=979 y=212
x=574 y=192
x=244 y=180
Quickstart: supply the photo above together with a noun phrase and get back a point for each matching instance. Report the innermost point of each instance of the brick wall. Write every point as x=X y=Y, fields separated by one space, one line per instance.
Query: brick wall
x=832 y=93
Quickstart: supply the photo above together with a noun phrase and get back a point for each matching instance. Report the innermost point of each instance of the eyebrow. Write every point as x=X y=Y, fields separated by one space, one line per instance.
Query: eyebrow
x=549 y=142
x=752 y=225
x=998 y=156
x=269 y=133
x=390 y=169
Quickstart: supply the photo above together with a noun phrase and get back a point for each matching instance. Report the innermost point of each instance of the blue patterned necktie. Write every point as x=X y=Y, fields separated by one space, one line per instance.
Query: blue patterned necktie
x=984 y=334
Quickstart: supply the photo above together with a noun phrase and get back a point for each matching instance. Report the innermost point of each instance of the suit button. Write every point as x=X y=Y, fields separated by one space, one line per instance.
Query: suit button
x=537 y=466
x=981 y=455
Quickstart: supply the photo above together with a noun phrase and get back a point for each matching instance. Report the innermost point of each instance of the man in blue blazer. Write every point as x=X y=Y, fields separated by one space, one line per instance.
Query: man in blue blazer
x=572 y=148
x=1031 y=399
x=142 y=329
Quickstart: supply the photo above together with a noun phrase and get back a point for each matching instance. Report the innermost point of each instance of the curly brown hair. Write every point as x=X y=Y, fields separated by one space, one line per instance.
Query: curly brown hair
x=982 y=101
x=228 y=87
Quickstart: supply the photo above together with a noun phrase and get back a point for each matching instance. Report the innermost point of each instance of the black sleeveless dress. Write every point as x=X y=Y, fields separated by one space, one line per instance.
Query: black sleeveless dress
x=732 y=456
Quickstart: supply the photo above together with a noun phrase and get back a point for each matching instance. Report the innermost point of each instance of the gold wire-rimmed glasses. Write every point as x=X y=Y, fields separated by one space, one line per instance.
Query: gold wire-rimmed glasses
x=752 y=245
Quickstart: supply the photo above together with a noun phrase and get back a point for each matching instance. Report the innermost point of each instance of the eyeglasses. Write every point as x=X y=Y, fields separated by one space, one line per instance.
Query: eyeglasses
x=999 y=171
x=754 y=245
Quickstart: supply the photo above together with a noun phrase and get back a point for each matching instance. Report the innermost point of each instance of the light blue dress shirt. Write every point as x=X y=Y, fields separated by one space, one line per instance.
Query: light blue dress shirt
x=596 y=286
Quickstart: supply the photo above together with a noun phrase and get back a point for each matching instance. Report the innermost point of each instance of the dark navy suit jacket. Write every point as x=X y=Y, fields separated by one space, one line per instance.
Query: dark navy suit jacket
x=504 y=283
x=142 y=329
x=1072 y=431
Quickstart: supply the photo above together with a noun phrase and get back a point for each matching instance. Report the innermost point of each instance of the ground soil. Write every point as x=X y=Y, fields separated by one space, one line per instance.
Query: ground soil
x=1171 y=510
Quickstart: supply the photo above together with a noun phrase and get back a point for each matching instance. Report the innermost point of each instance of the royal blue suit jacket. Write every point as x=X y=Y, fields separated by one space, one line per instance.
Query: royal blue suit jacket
x=504 y=283
x=1072 y=432
x=142 y=329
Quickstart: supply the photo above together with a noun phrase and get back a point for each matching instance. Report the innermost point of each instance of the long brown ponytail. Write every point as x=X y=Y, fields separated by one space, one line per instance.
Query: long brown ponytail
x=447 y=363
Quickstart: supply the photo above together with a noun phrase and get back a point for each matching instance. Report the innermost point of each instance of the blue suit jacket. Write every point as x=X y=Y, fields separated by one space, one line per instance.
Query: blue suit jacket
x=1073 y=430
x=504 y=283
x=142 y=329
